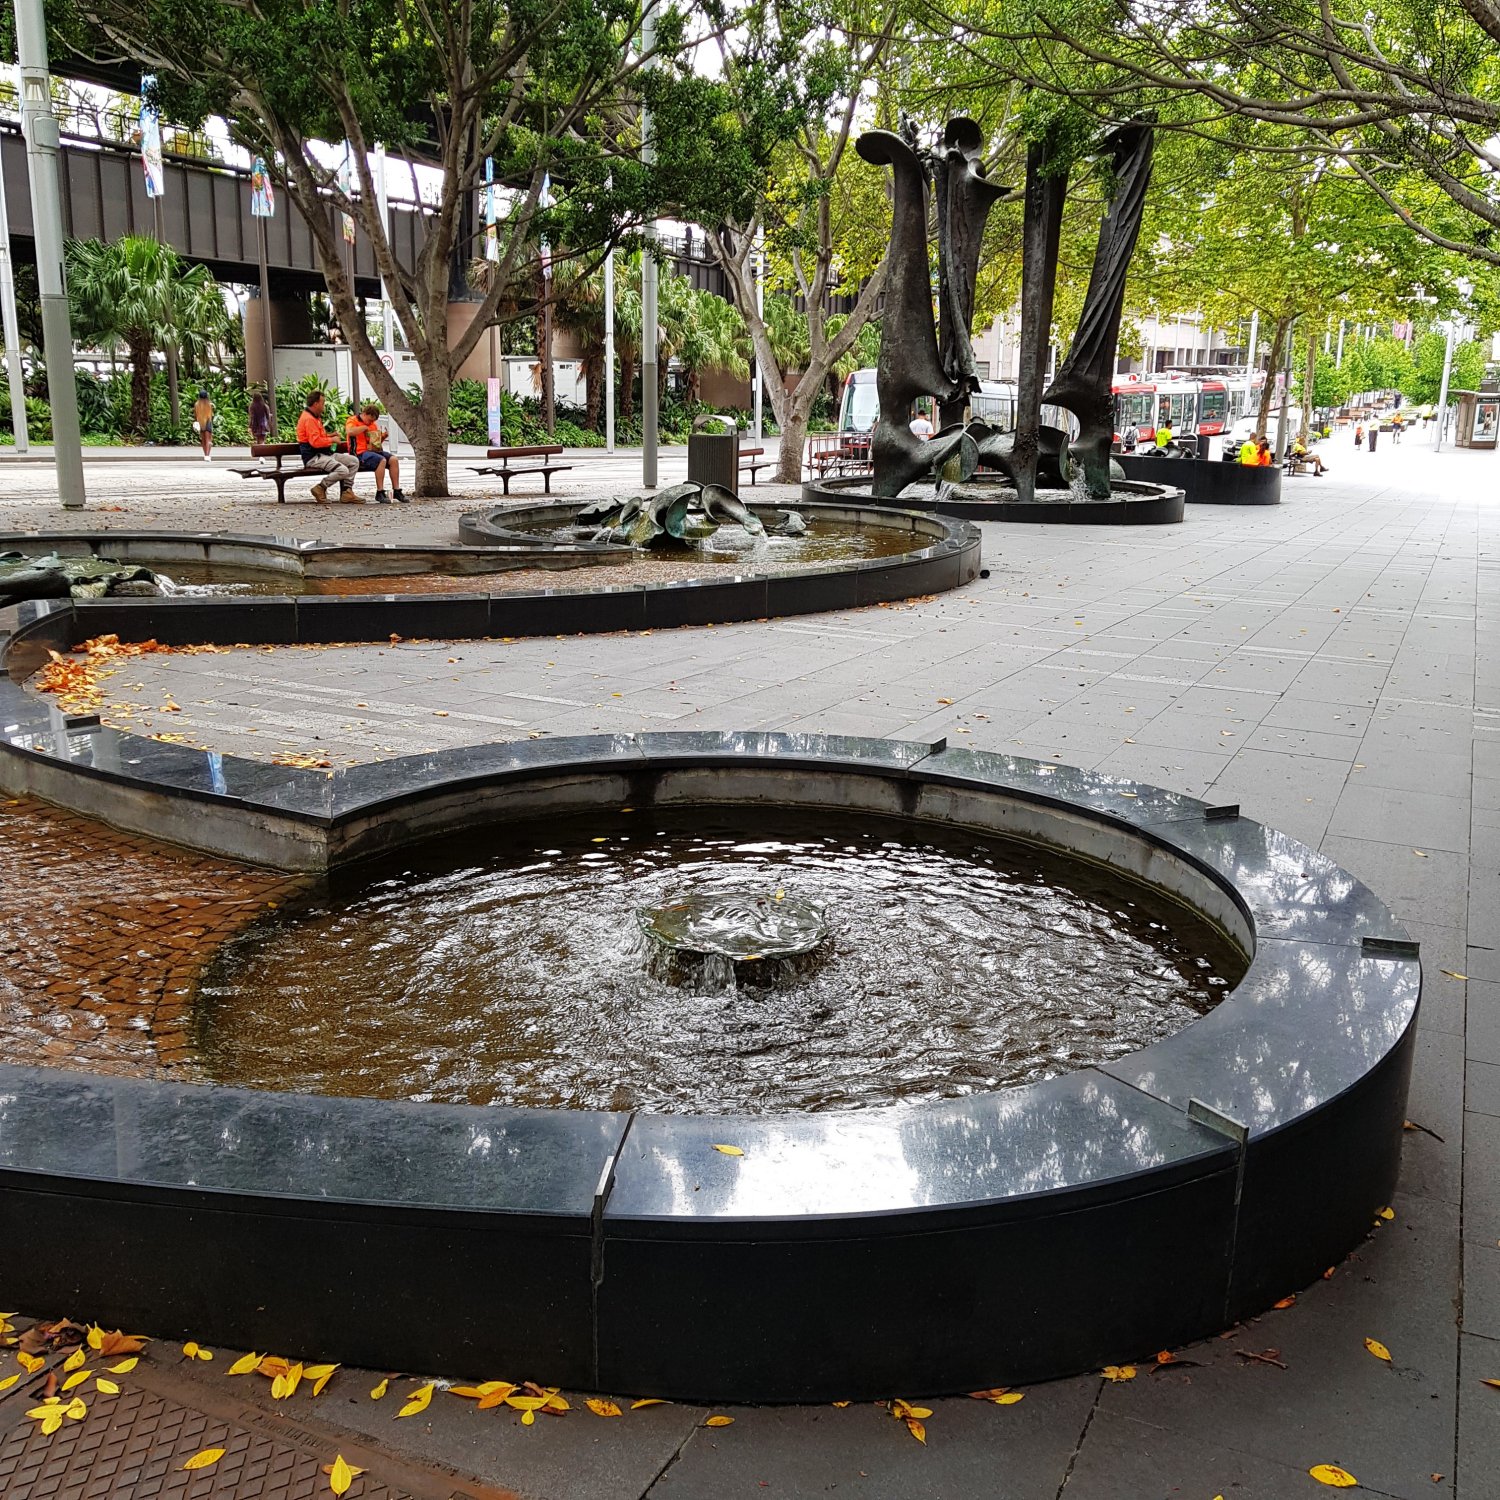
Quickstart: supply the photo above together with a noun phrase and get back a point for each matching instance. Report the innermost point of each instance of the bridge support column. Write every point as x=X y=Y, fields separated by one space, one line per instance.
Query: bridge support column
x=291 y=323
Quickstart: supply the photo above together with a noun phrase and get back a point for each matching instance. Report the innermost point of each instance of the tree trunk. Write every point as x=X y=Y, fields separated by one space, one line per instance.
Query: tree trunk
x=429 y=438
x=140 y=383
x=793 y=423
x=593 y=385
x=1307 y=385
x=1273 y=364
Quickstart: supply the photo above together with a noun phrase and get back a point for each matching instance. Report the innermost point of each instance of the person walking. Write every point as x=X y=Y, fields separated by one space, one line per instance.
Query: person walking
x=260 y=418
x=365 y=437
x=203 y=424
x=1374 y=433
x=320 y=450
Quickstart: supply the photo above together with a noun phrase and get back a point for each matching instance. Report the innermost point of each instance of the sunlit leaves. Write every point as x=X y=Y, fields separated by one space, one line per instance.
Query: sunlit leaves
x=206 y=1459
x=1378 y=1349
x=244 y=1364
x=341 y=1475
x=1118 y=1373
x=602 y=1408
x=729 y=1150
x=125 y=1366
x=191 y=1350
x=719 y=1421
x=377 y=1393
x=106 y=1387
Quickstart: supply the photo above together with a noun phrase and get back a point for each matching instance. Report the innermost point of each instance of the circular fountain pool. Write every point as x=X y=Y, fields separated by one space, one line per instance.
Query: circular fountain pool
x=514 y=970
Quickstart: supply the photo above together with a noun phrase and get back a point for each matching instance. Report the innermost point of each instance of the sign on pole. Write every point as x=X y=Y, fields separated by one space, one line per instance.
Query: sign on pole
x=346 y=187
x=491 y=233
x=262 y=193
x=151 y=162
x=494 y=410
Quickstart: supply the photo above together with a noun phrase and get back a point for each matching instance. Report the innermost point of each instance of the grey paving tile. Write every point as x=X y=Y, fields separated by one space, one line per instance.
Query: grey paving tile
x=1431 y=1157
x=1477 y=1472
x=1482 y=1178
x=1482 y=1033
x=1482 y=1088
x=1425 y=820
x=973 y=1448
x=1419 y=885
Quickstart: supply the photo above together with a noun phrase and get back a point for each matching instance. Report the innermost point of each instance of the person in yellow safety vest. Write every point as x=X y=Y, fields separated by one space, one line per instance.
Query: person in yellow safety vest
x=1249 y=453
x=1300 y=451
x=1163 y=435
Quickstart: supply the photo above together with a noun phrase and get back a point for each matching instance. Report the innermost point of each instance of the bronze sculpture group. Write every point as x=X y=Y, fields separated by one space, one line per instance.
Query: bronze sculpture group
x=918 y=359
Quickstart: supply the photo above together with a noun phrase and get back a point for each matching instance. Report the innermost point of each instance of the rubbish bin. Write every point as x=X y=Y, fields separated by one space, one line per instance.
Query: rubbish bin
x=714 y=457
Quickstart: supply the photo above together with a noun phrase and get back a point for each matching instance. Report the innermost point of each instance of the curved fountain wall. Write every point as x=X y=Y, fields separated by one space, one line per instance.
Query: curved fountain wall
x=1000 y=1238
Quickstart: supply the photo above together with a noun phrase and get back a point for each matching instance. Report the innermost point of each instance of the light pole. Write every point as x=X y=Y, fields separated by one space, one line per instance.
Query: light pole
x=1442 y=413
x=46 y=214
x=609 y=350
x=12 y=329
x=649 y=329
x=760 y=312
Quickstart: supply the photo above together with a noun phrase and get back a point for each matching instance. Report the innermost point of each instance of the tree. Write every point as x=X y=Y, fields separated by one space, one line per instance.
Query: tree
x=1425 y=379
x=137 y=292
x=1401 y=96
x=822 y=211
x=544 y=87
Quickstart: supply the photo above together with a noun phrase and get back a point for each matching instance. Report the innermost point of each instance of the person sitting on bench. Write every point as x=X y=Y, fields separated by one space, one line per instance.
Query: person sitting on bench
x=320 y=451
x=365 y=437
x=1302 y=454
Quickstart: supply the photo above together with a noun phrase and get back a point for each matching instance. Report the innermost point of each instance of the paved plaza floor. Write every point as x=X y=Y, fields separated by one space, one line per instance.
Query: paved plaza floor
x=1328 y=664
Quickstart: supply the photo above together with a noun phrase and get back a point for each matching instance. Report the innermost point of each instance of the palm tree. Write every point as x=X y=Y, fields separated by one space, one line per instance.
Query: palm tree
x=137 y=292
x=716 y=341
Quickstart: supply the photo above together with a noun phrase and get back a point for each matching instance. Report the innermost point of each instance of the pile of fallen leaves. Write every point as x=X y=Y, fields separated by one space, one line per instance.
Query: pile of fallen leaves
x=76 y=678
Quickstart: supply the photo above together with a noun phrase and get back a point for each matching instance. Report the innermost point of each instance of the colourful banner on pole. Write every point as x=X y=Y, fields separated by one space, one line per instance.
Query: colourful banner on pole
x=346 y=187
x=262 y=194
x=494 y=410
x=544 y=202
x=491 y=231
x=151 y=162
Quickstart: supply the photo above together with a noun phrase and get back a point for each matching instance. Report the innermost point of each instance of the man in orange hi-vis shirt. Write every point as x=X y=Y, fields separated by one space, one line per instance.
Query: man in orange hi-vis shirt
x=320 y=450
x=365 y=436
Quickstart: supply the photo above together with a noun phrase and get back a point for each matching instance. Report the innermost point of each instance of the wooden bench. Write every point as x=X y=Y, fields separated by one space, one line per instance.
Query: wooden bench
x=1291 y=464
x=753 y=459
x=280 y=476
x=508 y=471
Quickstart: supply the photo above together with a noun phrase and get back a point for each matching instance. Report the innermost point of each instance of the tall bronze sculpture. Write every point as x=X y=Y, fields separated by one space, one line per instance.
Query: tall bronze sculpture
x=919 y=359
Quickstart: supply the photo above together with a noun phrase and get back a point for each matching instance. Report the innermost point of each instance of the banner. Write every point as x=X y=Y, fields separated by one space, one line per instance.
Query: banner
x=346 y=187
x=262 y=194
x=491 y=233
x=494 y=410
x=544 y=202
x=151 y=162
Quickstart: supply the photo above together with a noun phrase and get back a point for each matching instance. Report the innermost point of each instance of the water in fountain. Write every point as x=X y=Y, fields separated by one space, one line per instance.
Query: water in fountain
x=509 y=967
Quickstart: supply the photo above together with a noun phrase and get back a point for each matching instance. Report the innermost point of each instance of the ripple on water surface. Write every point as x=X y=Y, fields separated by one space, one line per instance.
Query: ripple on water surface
x=508 y=967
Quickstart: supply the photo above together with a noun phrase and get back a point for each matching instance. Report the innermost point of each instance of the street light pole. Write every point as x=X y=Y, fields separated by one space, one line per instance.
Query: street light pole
x=41 y=133
x=12 y=328
x=1442 y=412
x=760 y=313
x=650 y=333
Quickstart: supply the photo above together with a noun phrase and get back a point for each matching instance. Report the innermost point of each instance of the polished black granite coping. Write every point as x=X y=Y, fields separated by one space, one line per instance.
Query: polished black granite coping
x=993 y=1239
x=1134 y=504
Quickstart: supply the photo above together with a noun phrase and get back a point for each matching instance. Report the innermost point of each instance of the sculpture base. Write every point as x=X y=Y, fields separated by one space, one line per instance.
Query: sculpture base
x=1134 y=503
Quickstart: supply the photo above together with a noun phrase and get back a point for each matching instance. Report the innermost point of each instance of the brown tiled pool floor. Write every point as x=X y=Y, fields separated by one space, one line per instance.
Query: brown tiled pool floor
x=102 y=935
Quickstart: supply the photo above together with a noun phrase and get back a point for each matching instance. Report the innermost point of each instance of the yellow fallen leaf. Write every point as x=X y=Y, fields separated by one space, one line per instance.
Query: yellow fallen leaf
x=1009 y=1398
x=9 y=1381
x=841 y=1404
x=354 y=1470
x=1118 y=1372
x=1495 y=1384
x=945 y=701
x=48 y=1406
x=76 y=1378
x=1452 y=974
x=719 y=1422
x=196 y=1351
x=1286 y=1302
x=1387 y=1214
x=206 y=1459
x=243 y=1365
x=319 y=1375
x=31 y=1363
x=1340 y=1479
x=419 y=1400
x=497 y=1397
x=602 y=1408
x=73 y=1361
x=50 y=1415
x=108 y=1387
x=340 y=1476
x=380 y=1390
x=273 y=1365
x=291 y=1380
x=95 y=1336
x=1378 y=1349
x=916 y=1429
x=1421 y=854
x=729 y=1150
x=647 y=1401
